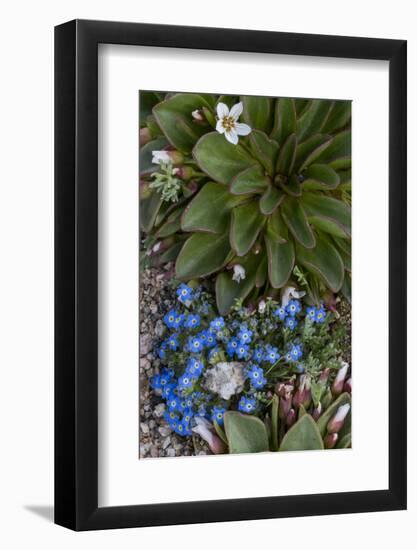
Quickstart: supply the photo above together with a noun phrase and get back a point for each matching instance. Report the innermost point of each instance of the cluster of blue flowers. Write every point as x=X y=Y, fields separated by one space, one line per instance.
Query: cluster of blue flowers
x=198 y=340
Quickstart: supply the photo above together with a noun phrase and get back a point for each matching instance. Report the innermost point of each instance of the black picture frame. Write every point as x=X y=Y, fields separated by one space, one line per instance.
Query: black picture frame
x=76 y=271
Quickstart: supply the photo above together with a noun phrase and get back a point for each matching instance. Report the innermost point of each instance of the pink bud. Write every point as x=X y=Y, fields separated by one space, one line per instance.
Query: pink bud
x=198 y=115
x=303 y=394
x=348 y=386
x=324 y=376
x=144 y=136
x=183 y=172
x=285 y=393
x=317 y=411
x=336 y=423
x=204 y=429
x=330 y=441
x=337 y=386
x=291 y=418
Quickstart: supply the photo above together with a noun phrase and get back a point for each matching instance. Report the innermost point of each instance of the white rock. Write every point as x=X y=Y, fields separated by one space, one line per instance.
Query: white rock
x=144 y=427
x=225 y=379
x=159 y=410
x=145 y=344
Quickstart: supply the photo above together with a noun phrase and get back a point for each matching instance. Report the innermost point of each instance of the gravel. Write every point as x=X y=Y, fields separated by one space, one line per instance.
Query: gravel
x=156 y=439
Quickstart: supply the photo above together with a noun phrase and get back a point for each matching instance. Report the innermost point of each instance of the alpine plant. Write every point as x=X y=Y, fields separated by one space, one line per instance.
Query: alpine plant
x=252 y=191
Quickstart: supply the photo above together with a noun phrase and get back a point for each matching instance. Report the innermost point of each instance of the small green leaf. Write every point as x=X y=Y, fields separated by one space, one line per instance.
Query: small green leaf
x=303 y=436
x=172 y=225
x=202 y=254
x=285 y=122
x=228 y=290
x=210 y=209
x=301 y=105
x=174 y=116
x=320 y=176
x=280 y=261
x=338 y=117
x=323 y=260
x=251 y=180
x=220 y=159
x=270 y=200
x=146 y=166
x=328 y=214
x=310 y=150
x=247 y=221
x=264 y=149
x=146 y=101
x=331 y=411
x=296 y=220
x=245 y=434
x=257 y=111
x=219 y=431
x=286 y=156
x=313 y=119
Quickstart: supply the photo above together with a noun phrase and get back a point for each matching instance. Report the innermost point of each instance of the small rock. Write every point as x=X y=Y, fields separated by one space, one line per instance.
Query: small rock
x=145 y=344
x=159 y=410
x=166 y=442
x=144 y=427
x=164 y=430
x=171 y=452
x=154 y=451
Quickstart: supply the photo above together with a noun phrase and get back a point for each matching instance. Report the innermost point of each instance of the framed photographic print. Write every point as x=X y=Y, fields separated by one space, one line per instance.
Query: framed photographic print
x=230 y=255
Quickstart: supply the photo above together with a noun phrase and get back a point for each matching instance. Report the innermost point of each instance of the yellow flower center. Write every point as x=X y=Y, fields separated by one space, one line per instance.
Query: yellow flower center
x=228 y=123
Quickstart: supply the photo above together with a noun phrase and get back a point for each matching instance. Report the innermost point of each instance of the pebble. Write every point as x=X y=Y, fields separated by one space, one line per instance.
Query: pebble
x=164 y=430
x=171 y=452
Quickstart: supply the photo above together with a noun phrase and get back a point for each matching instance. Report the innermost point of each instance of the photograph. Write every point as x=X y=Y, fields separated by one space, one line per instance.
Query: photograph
x=244 y=274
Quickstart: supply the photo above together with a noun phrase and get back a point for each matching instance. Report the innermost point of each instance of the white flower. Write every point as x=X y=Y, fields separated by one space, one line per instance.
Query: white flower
x=239 y=273
x=204 y=429
x=160 y=157
x=197 y=115
x=262 y=306
x=228 y=122
x=290 y=292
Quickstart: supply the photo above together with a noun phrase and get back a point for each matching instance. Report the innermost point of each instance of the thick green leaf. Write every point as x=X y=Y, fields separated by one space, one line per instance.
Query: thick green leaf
x=210 y=209
x=228 y=290
x=202 y=254
x=320 y=176
x=257 y=112
x=245 y=434
x=276 y=228
x=344 y=248
x=285 y=122
x=331 y=411
x=172 y=225
x=171 y=253
x=328 y=214
x=270 y=200
x=280 y=261
x=262 y=272
x=146 y=165
x=146 y=102
x=286 y=156
x=301 y=105
x=346 y=289
x=338 y=117
x=310 y=150
x=296 y=220
x=338 y=153
x=313 y=119
x=148 y=210
x=251 y=180
x=247 y=221
x=264 y=149
x=174 y=116
x=324 y=261
x=303 y=436
x=290 y=185
x=220 y=159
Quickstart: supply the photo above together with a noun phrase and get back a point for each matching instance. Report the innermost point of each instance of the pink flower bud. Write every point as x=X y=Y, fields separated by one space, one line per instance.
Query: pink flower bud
x=144 y=136
x=285 y=402
x=198 y=115
x=303 y=394
x=324 y=376
x=317 y=412
x=291 y=418
x=337 y=386
x=336 y=423
x=183 y=172
x=348 y=386
x=204 y=429
x=330 y=441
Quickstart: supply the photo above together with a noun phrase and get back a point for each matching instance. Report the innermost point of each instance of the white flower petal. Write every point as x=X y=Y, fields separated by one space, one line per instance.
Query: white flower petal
x=220 y=127
x=159 y=157
x=222 y=110
x=242 y=129
x=236 y=110
x=231 y=136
